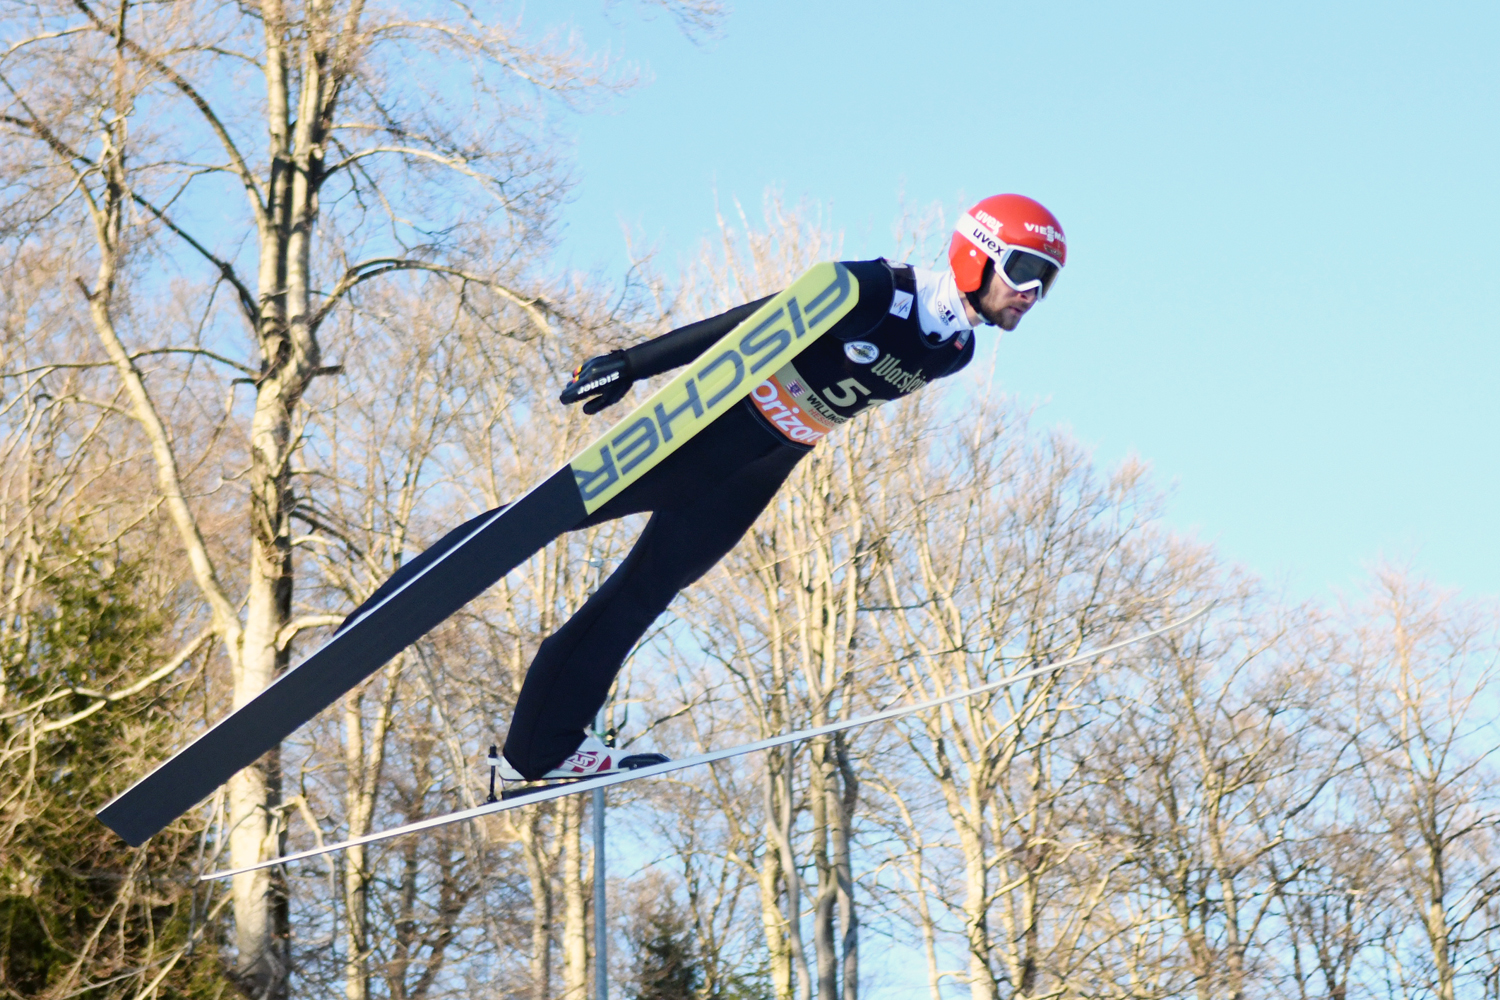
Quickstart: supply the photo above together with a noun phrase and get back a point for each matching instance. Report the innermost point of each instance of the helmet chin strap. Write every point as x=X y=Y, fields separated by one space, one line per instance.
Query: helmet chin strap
x=973 y=299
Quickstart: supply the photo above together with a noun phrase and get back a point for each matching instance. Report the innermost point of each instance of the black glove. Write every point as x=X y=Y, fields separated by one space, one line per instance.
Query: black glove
x=603 y=381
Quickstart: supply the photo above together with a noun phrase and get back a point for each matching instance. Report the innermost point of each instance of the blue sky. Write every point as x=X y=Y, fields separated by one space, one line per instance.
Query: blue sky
x=1281 y=289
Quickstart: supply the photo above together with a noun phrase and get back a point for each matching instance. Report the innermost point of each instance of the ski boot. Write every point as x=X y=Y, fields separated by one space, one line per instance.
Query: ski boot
x=594 y=756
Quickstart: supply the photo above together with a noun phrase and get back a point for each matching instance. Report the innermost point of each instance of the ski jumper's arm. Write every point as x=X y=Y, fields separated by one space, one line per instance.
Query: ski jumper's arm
x=677 y=347
x=604 y=381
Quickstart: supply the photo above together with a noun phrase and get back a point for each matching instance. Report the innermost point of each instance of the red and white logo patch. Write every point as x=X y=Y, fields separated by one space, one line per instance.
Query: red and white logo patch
x=586 y=762
x=778 y=406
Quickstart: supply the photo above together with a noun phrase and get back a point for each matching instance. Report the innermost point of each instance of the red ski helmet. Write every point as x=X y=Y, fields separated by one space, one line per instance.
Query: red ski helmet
x=1023 y=239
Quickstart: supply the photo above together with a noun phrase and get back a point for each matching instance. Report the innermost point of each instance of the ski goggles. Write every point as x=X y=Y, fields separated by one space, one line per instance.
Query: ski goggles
x=1024 y=270
x=1021 y=269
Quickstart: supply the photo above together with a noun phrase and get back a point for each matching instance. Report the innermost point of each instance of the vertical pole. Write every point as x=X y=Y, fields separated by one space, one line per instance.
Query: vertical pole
x=601 y=923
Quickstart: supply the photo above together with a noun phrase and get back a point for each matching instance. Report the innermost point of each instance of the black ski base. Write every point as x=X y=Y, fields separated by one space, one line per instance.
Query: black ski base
x=520 y=793
x=415 y=600
x=637 y=760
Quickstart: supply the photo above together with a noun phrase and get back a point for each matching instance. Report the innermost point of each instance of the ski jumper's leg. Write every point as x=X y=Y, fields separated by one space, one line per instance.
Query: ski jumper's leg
x=701 y=509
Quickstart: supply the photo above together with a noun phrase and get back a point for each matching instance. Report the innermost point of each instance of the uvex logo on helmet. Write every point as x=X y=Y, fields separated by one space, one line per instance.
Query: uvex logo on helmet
x=987 y=219
x=985 y=241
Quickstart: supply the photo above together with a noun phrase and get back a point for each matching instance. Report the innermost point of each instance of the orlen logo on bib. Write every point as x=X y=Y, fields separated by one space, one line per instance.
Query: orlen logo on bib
x=861 y=352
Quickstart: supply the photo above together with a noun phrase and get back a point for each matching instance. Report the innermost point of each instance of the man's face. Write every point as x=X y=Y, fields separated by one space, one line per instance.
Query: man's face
x=1000 y=305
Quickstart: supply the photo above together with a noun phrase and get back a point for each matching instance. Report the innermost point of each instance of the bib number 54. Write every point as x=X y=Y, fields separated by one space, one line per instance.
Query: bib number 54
x=845 y=393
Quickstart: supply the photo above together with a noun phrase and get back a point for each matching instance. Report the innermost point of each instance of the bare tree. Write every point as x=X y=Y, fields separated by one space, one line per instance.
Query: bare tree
x=1220 y=755
x=1421 y=707
x=781 y=619
x=1333 y=880
x=96 y=648
x=1011 y=553
x=355 y=151
x=400 y=463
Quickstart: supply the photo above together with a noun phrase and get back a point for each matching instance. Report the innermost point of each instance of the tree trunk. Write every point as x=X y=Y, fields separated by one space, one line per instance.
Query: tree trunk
x=779 y=824
x=982 y=985
x=260 y=906
x=819 y=793
x=1435 y=919
x=843 y=868
x=363 y=764
x=538 y=877
x=575 y=901
x=289 y=360
x=772 y=877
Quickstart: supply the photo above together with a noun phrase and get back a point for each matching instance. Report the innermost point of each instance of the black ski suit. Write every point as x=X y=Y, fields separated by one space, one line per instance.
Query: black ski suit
x=708 y=493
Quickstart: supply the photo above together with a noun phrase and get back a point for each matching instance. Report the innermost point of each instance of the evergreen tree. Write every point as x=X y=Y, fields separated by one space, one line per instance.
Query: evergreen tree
x=81 y=912
x=668 y=960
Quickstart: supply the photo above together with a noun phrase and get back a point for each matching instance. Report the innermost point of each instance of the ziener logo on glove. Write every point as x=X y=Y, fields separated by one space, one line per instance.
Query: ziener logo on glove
x=606 y=380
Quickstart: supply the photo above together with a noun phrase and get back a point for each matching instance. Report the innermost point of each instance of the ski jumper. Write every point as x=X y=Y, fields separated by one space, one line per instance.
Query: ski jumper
x=900 y=330
x=908 y=329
